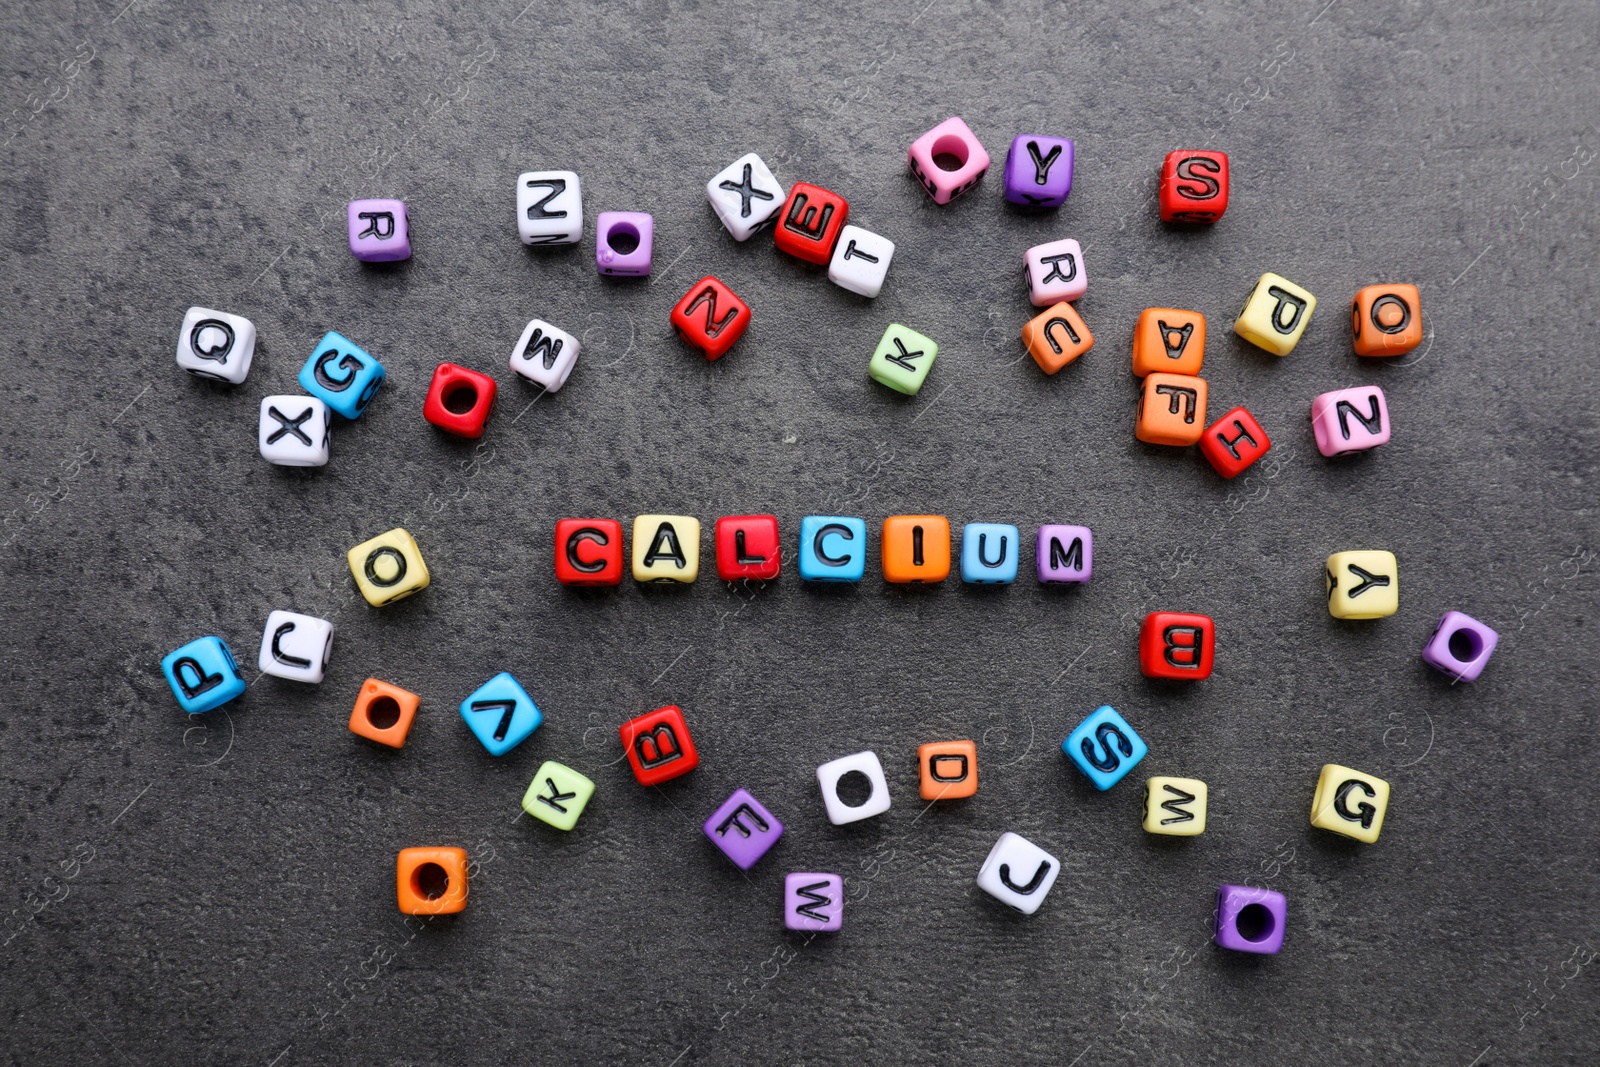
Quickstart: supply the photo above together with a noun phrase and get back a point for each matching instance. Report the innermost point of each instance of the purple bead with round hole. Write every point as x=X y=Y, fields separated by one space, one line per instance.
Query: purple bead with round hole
x=624 y=241
x=1038 y=170
x=1250 y=920
x=1460 y=646
x=380 y=230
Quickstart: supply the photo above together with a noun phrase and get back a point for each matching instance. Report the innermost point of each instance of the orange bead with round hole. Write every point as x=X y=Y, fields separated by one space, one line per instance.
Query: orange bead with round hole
x=431 y=881
x=384 y=713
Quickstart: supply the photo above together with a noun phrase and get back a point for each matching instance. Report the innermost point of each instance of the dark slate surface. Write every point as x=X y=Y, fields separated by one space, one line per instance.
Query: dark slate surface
x=220 y=890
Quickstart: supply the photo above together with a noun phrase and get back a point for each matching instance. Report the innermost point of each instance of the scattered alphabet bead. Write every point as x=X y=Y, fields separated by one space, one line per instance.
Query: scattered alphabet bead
x=384 y=713
x=589 y=552
x=202 y=674
x=948 y=770
x=1105 y=747
x=1055 y=272
x=1350 y=803
x=216 y=345
x=860 y=261
x=1175 y=807
x=1169 y=340
x=1038 y=170
x=813 y=903
x=989 y=553
x=833 y=548
x=743 y=829
x=916 y=548
x=459 y=400
x=624 y=243
x=380 y=230
x=294 y=431
x=545 y=355
x=549 y=207
x=1275 y=314
x=710 y=317
x=1065 y=554
x=1175 y=644
x=810 y=222
x=666 y=549
x=389 y=567
x=658 y=746
x=295 y=646
x=1350 y=420
x=862 y=763
x=501 y=714
x=748 y=547
x=431 y=881
x=341 y=375
x=1056 y=337
x=1233 y=442
x=1363 y=584
x=1386 y=320
x=1460 y=646
x=557 y=795
x=902 y=359
x=1194 y=186
x=1172 y=410
x=1250 y=919
x=948 y=160
x=1018 y=873
x=745 y=196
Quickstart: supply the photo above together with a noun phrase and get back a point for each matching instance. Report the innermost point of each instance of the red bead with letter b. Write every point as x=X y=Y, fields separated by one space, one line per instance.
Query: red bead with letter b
x=1175 y=644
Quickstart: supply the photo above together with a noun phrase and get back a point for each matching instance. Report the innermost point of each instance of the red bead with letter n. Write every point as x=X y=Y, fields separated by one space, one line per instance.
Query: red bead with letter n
x=658 y=745
x=710 y=317
x=1175 y=644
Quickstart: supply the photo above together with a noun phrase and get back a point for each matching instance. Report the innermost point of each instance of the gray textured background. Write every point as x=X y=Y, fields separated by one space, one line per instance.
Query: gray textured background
x=221 y=889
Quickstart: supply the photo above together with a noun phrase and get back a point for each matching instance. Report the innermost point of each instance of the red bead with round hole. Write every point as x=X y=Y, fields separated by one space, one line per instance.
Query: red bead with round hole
x=589 y=552
x=711 y=317
x=1176 y=644
x=459 y=400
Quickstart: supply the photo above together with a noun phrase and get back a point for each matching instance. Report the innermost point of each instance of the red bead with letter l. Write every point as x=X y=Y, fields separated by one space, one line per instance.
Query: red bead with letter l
x=1194 y=186
x=459 y=400
x=658 y=745
x=810 y=222
x=1174 y=644
x=747 y=547
x=589 y=552
x=710 y=317
x=1234 y=442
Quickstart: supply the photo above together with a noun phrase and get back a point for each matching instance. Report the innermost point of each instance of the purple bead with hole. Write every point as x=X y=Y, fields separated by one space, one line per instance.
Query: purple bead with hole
x=623 y=243
x=1038 y=170
x=743 y=829
x=1065 y=553
x=813 y=902
x=1250 y=920
x=1460 y=646
x=380 y=230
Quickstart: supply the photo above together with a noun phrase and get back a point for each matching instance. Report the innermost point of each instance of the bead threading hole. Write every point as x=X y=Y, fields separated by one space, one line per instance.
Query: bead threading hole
x=383 y=712
x=950 y=152
x=1255 y=922
x=623 y=238
x=430 y=881
x=854 y=789
x=1465 y=646
x=460 y=398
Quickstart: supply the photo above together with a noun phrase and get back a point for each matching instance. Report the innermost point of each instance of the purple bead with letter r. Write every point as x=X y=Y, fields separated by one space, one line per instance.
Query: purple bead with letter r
x=380 y=230
x=1250 y=920
x=1460 y=646
x=743 y=829
x=1066 y=553
x=1038 y=170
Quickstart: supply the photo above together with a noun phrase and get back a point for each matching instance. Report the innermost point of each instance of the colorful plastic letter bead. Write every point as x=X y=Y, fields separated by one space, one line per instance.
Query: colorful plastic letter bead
x=1105 y=747
x=1363 y=585
x=1174 y=806
x=666 y=548
x=743 y=829
x=624 y=243
x=1386 y=320
x=1460 y=646
x=293 y=431
x=948 y=769
x=431 y=881
x=1250 y=920
x=1065 y=553
x=1194 y=186
x=501 y=714
x=1234 y=442
x=813 y=902
x=1056 y=337
x=916 y=548
x=549 y=207
x=1350 y=803
x=658 y=746
x=745 y=195
x=748 y=547
x=380 y=230
x=341 y=375
x=989 y=553
x=1169 y=340
x=545 y=355
x=1038 y=170
x=216 y=345
x=810 y=223
x=948 y=160
x=1172 y=409
x=1174 y=644
x=557 y=795
x=459 y=400
x=862 y=763
x=833 y=548
x=902 y=359
x=202 y=675
x=1275 y=314
x=710 y=317
x=1055 y=272
x=295 y=646
x=589 y=552
x=388 y=568
x=1018 y=872
x=860 y=261
x=384 y=713
x=1350 y=420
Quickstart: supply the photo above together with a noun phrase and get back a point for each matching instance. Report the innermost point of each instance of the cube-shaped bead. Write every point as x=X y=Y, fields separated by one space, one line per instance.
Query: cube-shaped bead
x=1460 y=646
x=1174 y=806
x=658 y=746
x=1233 y=442
x=860 y=261
x=295 y=646
x=948 y=770
x=384 y=713
x=1038 y=170
x=549 y=207
x=902 y=359
x=501 y=714
x=1018 y=873
x=916 y=548
x=710 y=317
x=810 y=222
x=813 y=903
x=666 y=548
x=431 y=881
x=1172 y=409
x=1194 y=186
x=202 y=674
x=624 y=243
x=743 y=829
x=1055 y=272
x=1056 y=337
x=341 y=375
x=1363 y=584
x=1386 y=320
x=745 y=195
x=1250 y=919
x=389 y=567
x=216 y=345
x=557 y=795
x=294 y=431
x=989 y=553
x=1275 y=314
x=545 y=355
x=868 y=766
x=380 y=230
x=589 y=552
x=833 y=548
x=1350 y=803
x=748 y=547
x=459 y=400
x=1350 y=420
x=1065 y=553
x=1169 y=340
x=948 y=160
x=1176 y=644
x=1104 y=747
